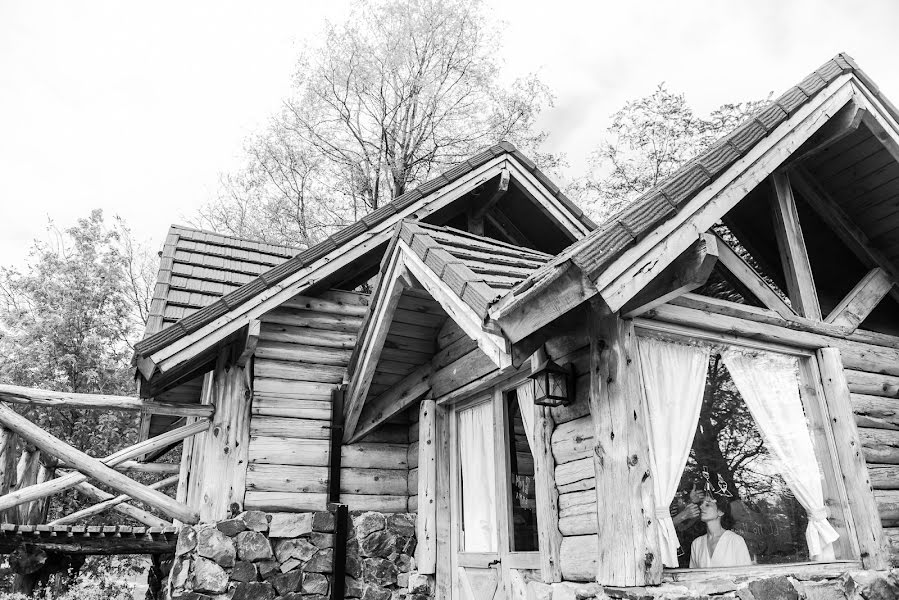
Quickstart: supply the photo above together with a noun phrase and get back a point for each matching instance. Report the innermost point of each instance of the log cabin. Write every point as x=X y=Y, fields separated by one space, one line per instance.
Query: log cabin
x=557 y=404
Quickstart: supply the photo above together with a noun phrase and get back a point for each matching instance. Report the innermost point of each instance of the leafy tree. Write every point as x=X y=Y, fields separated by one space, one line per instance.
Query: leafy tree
x=397 y=93
x=649 y=139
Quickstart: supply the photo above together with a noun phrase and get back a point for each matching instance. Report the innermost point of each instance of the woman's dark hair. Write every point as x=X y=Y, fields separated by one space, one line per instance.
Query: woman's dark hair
x=727 y=519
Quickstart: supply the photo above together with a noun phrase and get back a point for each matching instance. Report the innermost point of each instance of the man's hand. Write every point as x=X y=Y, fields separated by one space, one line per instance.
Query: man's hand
x=690 y=512
x=696 y=496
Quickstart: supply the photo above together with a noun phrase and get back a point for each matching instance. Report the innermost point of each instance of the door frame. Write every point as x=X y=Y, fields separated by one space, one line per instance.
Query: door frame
x=504 y=559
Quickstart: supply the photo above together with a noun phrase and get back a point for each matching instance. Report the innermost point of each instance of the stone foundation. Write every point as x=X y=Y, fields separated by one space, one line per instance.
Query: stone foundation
x=854 y=585
x=265 y=556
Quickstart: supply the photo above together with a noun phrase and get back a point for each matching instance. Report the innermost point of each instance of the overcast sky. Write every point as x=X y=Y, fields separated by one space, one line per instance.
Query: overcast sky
x=136 y=108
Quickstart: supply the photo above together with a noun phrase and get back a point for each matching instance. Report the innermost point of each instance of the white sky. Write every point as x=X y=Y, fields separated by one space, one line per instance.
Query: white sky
x=136 y=108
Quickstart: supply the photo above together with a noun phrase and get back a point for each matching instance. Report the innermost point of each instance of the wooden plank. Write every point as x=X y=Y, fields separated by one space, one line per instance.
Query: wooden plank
x=443 y=503
x=67 y=481
x=793 y=253
x=252 y=340
x=480 y=210
x=840 y=126
x=852 y=462
x=290 y=428
x=377 y=324
x=26 y=476
x=396 y=399
x=293 y=451
x=276 y=369
x=875 y=412
x=93 y=467
x=750 y=278
x=621 y=456
x=549 y=537
x=861 y=300
x=301 y=353
x=426 y=489
x=688 y=271
x=304 y=336
x=50 y=399
x=291 y=407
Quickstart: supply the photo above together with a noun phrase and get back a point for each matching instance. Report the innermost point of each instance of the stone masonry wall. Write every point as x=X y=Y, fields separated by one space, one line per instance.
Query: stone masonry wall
x=265 y=556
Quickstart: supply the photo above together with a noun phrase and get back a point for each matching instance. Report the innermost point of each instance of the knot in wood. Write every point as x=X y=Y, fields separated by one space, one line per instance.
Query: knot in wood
x=648 y=559
x=632 y=460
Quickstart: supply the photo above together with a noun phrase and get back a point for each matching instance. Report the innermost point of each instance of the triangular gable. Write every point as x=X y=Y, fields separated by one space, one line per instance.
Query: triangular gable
x=199 y=332
x=622 y=256
x=464 y=273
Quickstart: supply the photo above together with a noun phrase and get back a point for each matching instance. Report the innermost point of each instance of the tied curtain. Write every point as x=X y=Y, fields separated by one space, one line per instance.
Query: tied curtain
x=769 y=384
x=476 y=457
x=674 y=382
x=526 y=406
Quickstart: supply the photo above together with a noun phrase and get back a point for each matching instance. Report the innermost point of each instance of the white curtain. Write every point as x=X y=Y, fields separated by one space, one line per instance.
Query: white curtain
x=674 y=381
x=769 y=383
x=476 y=455
x=526 y=406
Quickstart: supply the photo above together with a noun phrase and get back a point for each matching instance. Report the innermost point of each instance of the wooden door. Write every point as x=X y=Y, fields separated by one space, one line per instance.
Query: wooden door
x=484 y=550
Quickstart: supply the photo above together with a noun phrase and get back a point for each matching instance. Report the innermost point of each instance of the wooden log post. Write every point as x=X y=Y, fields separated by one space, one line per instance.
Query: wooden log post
x=426 y=551
x=628 y=543
x=222 y=481
x=865 y=514
x=26 y=476
x=7 y=470
x=548 y=534
x=444 y=549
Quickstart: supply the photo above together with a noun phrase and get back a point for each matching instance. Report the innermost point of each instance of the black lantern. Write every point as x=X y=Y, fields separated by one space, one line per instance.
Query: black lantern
x=553 y=385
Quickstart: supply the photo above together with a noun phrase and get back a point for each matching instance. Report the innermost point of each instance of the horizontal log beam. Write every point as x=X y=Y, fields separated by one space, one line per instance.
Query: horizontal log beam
x=94 y=540
x=42 y=490
x=46 y=398
x=94 y=468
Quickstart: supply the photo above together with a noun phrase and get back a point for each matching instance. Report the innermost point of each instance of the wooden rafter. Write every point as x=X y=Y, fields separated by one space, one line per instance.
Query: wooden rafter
x=842 y=124
x=793 y=253
x=252 y=340
x=848 y=232
x=688 y=271
x=504 y=225
x=477 y=213
x=396 y=398
x=374 y=334
x=861 y=300
x=751 y=279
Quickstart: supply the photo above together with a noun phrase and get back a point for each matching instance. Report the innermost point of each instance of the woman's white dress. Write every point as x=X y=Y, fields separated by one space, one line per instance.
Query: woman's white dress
x=731 y=551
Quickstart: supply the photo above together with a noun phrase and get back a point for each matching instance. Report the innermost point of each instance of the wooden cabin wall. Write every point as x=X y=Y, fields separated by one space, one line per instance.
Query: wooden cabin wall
x=412 y=460
x=303 y=352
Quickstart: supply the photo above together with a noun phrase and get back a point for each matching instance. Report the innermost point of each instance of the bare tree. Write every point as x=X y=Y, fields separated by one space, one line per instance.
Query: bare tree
x=397 y=93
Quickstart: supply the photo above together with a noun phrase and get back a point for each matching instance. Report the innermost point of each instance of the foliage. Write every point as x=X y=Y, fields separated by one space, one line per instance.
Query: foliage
x=649 y=139
x=394 y=95
x=101 y=578
x=67 y=323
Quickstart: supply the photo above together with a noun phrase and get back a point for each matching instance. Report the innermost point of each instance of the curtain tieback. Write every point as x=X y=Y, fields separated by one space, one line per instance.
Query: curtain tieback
x=818 y=514
x=662 y=513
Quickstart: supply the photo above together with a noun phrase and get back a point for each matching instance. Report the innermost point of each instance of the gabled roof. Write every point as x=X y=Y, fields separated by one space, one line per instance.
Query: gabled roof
x=275 y=281
x=464 y=273
x=587 y=262
x=196 y=268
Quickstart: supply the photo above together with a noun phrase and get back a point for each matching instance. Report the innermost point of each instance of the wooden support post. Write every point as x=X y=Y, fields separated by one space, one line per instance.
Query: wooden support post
x=548 y=534
x=852 y=461
x=26 y=476
x=7 y=469
x=628 y=543
x=793 y=253
x=222 y=482
x=444 y=549
x=426 y=551
x=751 y=280
x=65 y=482
x=40 y=508
x=861 y=300
x=92 y=467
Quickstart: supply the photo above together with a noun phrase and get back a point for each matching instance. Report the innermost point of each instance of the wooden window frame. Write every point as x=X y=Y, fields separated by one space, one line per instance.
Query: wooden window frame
x=819 y=422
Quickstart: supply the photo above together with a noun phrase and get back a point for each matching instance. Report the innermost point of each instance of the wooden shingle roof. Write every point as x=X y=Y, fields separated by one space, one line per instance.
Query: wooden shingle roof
x=197 y=268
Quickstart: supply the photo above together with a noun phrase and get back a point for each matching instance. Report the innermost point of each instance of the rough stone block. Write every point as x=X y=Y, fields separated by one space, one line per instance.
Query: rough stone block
x=254 y=591
x=315 y=583
x=378 y=543
x=373 y=592
x=352 y=587
x=403 y=563
x=244 y=571
x=353 y=565
x=254 y=520
x=231 y=527
x=401 y=524
x=563 y=592
x=822 y=590
x=300 y=549
x=322 y=562
x=215 y=545
x=419 y=584
x=180 y=573
x=367 y=523
x=187 y=540
x=290 y=525
x=323 y=521
x=209 y=577
x=287 y=582
x=322 y=540
x=253 y=546
x=402 y=580
x=537 y=590
x=268 y=568
x=773 y=588
x=379 y=571
x=290 y=565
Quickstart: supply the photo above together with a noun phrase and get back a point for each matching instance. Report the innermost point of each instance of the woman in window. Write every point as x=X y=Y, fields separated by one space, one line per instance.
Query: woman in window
x=719 y=547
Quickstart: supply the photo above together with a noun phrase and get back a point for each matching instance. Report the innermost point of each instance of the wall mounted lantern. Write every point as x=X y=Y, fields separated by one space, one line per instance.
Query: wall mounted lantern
x=553 y=384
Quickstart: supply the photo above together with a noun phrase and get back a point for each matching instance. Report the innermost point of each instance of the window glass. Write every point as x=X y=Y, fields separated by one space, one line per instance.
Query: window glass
x=478 y=478
x=731 y=463
x=520 y=410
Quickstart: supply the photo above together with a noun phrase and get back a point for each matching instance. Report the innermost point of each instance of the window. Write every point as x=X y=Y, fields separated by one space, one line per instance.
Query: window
x=522 y=497
x=738 y=451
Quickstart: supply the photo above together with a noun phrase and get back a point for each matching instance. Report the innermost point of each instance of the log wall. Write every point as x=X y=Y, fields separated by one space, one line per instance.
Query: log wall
x=303 y=352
